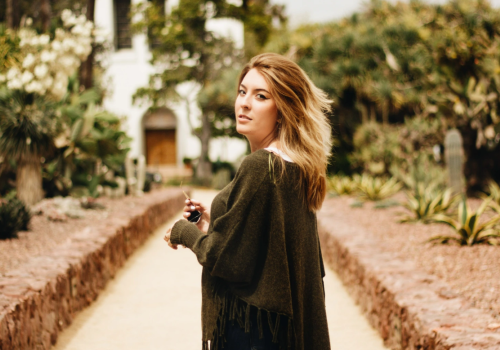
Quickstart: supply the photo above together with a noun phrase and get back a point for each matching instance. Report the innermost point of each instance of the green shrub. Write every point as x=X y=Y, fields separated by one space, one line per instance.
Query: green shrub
x=380 y=149
x=421 y=171
x=494 y=192
x=468 y=230
x=341 y=185
x=14 y=216
x=376 y=148
x=426 y=201
x=376 y=188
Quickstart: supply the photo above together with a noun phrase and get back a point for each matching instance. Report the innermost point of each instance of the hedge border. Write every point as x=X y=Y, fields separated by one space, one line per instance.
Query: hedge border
x=409 y=308
x=40 y=299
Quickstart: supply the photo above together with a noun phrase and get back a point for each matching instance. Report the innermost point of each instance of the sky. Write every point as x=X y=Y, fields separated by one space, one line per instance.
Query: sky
x=303 y=11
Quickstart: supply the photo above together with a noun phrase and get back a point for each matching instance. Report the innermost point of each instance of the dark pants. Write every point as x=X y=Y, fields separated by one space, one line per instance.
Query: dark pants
x=237 y=339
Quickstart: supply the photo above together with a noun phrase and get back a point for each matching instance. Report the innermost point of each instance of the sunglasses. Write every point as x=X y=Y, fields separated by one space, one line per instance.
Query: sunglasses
x=195 y=216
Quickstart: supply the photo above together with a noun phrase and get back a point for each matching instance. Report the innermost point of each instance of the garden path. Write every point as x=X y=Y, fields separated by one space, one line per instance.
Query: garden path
x=154 y=302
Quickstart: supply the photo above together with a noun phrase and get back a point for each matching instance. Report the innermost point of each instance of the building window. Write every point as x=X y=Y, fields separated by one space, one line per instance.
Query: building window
x=123 y=37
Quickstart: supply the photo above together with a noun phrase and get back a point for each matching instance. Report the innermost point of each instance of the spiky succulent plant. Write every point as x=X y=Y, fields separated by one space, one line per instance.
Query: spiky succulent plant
x=341 y=185
x=424 y=202
x=468 y=230
x=376 y=188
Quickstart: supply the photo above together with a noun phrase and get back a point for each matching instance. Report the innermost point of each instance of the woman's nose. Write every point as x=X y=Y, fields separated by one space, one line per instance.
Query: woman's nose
x=245 y=102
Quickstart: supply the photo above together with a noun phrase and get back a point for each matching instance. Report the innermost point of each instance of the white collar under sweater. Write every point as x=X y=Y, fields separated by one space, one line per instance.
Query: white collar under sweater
x=279 y=153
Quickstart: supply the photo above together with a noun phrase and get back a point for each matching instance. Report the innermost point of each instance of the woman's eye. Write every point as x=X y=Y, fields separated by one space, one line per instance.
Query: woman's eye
x=241 y=92
x=261 y=97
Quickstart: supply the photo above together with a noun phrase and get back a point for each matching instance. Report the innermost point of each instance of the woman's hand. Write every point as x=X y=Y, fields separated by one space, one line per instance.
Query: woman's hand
x=192 y=205
x=167 y=237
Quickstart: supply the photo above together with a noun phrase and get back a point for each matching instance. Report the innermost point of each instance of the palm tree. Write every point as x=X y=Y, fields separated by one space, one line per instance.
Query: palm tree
x=12 y=14
x=87 y=66
x=27 y=126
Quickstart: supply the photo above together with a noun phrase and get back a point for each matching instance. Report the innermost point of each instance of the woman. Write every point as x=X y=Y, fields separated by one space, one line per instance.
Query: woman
x=262 y=281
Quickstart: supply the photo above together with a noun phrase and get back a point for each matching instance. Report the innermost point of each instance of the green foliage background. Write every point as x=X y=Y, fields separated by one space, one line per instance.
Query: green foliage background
x=438 y=64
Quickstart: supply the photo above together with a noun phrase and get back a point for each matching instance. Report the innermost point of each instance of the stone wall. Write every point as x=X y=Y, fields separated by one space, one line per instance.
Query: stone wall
x=42 y=298
x=410 y=309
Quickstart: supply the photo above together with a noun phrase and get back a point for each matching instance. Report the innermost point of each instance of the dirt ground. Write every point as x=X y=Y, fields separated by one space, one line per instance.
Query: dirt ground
x=472 y=272
x=44 y=234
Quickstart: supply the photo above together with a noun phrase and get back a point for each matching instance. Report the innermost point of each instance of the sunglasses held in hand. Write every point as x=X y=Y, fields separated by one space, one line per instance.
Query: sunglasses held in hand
x=195 y=214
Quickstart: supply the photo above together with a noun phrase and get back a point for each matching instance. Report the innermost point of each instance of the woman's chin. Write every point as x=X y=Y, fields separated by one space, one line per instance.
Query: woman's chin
x=240 y=129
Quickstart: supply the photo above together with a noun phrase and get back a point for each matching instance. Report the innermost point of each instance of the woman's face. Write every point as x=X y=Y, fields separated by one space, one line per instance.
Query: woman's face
x=255 y=109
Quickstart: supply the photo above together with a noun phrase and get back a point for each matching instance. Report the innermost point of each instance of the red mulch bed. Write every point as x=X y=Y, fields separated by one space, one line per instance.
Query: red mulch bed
x=44 y=235
x=472 y=272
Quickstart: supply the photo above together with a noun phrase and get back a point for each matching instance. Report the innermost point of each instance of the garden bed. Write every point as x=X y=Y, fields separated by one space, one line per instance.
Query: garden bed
x=57 y=268
x=418 y=295
x=44 y=234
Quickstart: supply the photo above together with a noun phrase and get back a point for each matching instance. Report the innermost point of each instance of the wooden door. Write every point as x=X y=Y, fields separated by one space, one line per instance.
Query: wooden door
x=160 y=147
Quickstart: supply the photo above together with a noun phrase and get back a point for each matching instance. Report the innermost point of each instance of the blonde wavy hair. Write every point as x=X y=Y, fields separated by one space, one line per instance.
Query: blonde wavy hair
x=303 y=131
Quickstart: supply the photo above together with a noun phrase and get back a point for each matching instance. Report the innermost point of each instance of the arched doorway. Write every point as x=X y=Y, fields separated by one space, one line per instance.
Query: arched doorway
x=160 y=137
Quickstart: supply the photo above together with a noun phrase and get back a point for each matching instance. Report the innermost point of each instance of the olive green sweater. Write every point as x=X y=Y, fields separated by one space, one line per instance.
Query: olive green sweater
x=262 y=250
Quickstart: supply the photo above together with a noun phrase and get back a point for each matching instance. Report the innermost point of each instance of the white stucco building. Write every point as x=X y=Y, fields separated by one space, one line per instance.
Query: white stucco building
x=164 y=138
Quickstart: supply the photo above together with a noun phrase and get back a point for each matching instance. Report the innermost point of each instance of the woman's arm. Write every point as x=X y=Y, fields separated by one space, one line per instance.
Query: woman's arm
x=234 y=243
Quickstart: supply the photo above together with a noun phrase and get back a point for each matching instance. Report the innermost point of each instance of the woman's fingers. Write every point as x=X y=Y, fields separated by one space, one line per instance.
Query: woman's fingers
x=193 y=205
x=191 y=202
x=167 y=238
x=194 y=202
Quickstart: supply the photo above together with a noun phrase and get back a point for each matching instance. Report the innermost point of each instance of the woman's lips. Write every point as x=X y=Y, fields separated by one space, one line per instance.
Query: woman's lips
x=243 y=118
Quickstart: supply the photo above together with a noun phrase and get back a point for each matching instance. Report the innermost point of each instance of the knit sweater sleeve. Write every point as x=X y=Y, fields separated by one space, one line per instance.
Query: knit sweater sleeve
x=233 y=244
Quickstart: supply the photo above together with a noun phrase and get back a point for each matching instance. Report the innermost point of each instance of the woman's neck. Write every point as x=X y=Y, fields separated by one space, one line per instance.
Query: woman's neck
x=256 y=146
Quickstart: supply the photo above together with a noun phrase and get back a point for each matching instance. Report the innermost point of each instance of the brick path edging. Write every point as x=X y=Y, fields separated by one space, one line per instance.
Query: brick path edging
x=42 y=298
x=409 y=308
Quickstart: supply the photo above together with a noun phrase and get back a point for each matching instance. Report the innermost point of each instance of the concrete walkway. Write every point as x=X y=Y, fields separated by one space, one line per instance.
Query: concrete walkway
x=154 y=303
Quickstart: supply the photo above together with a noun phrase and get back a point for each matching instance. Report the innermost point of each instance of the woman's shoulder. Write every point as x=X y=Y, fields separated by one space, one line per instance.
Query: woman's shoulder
x=263 y=156
x=262 y=163
x=260 y=159
x=256 y=160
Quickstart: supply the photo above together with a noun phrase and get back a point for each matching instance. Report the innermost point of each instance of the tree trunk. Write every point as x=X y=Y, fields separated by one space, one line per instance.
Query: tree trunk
x=204 y=167
x=373 y=114
x=12 y=14
x=45 y=14
x=86 y=71
x=90 y=10
x=385 y=113
x=87 y=66
x=29 y=181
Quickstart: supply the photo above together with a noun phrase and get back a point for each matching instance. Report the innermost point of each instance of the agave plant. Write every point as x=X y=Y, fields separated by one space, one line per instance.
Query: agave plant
x=494 y=205
x=426 y=201
x=467 y=226
x=341 y=185
x=376 y=188
x=494 y=192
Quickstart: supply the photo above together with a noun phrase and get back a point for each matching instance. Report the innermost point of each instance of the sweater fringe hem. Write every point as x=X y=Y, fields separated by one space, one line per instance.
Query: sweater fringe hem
x=235 y=309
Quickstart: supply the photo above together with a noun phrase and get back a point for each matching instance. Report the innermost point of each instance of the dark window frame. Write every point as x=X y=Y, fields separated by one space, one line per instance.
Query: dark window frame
x=123 y=33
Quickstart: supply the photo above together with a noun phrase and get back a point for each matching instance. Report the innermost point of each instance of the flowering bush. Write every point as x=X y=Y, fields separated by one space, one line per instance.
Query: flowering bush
x=47 y=63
